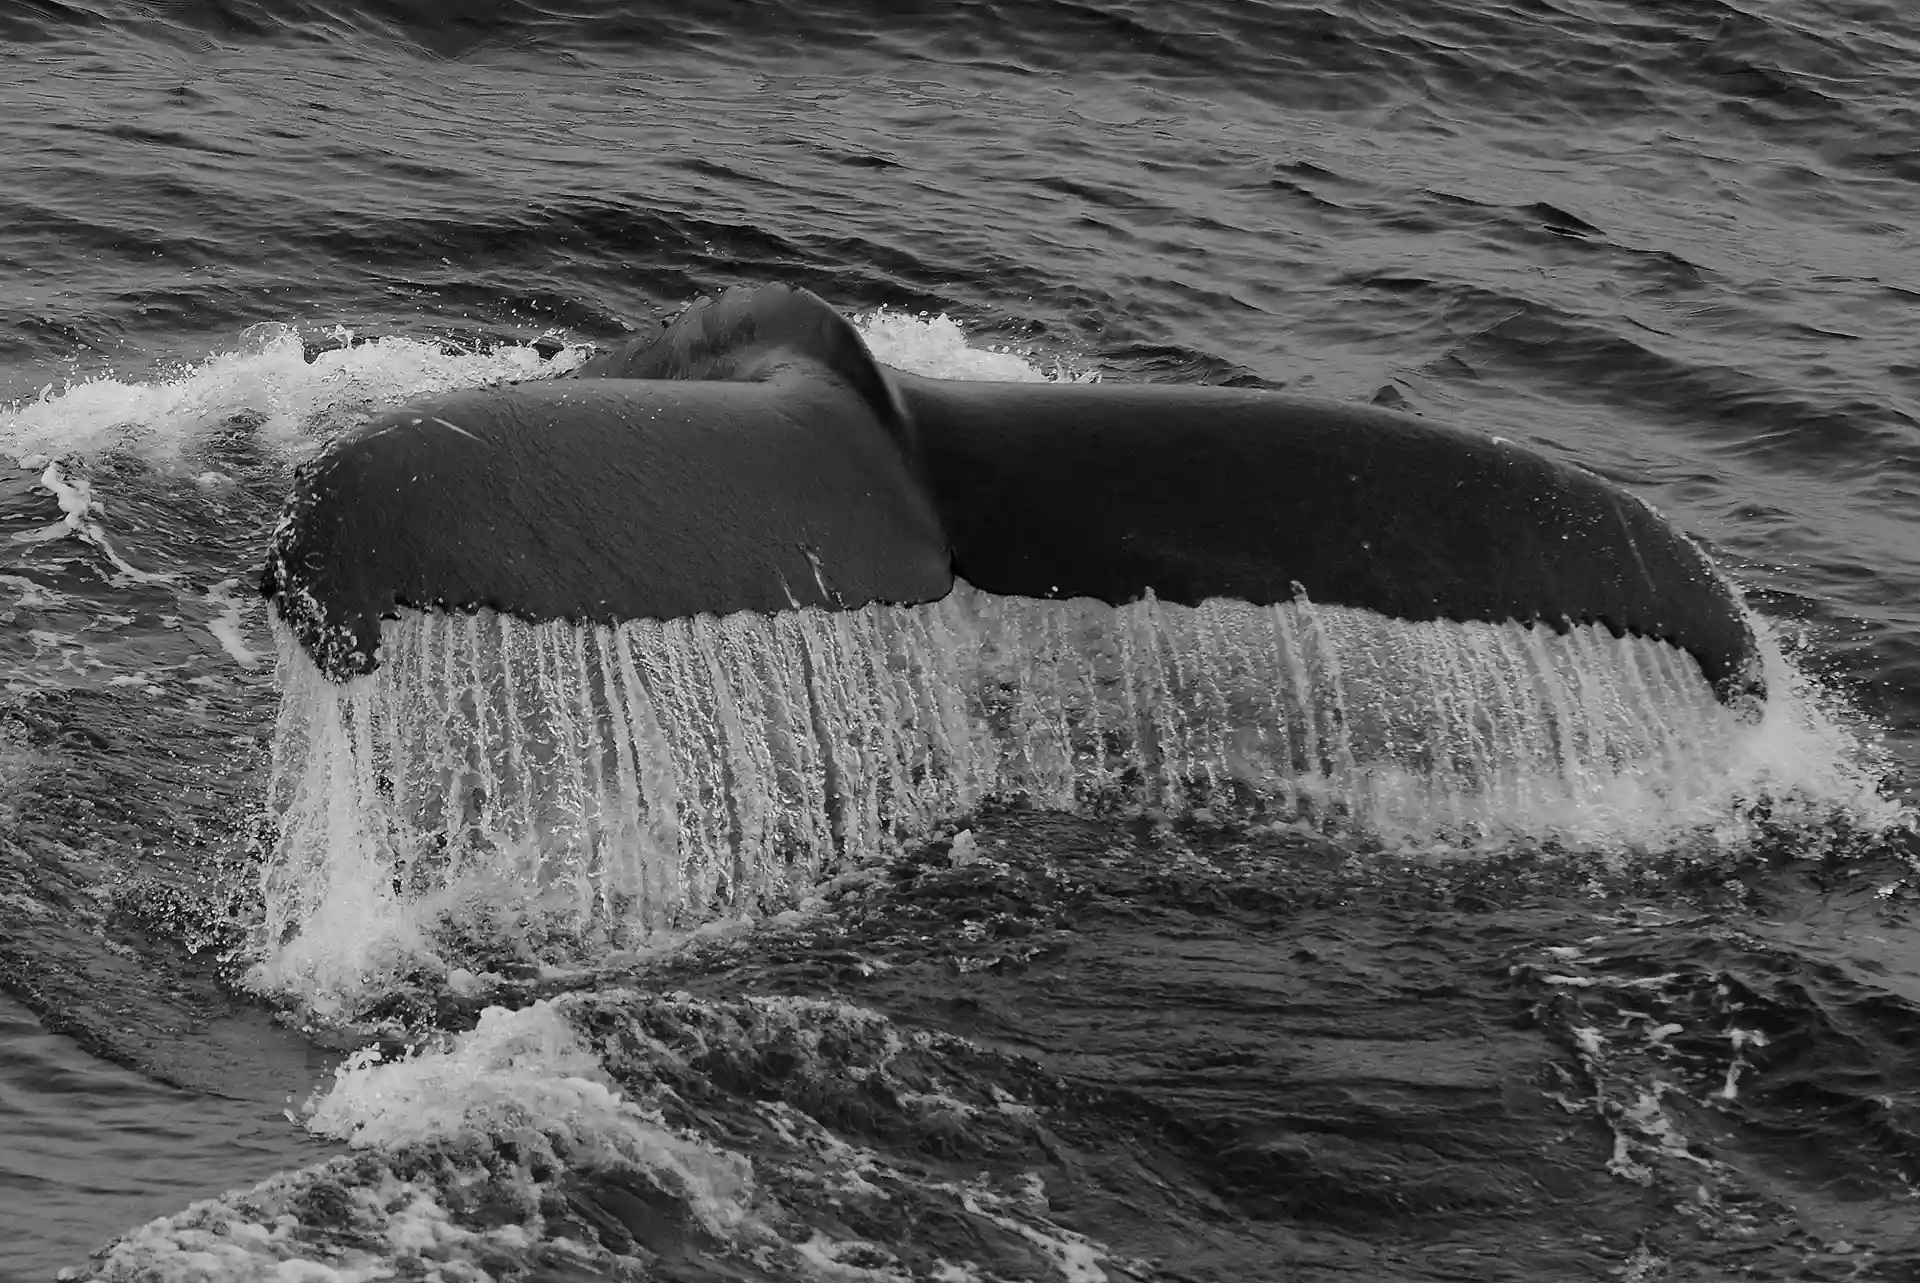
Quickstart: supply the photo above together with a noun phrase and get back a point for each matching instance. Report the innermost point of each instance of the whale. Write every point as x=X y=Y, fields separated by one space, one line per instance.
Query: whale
x=754 y=456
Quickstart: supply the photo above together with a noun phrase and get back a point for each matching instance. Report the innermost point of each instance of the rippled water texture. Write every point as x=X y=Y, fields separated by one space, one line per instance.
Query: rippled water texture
x=1676 y=240
x=1673 y=241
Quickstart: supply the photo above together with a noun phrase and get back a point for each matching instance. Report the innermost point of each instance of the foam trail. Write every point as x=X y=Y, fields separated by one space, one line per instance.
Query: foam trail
x=586 y=789
x=266 y=382
x=228 y=627
x=75 y=495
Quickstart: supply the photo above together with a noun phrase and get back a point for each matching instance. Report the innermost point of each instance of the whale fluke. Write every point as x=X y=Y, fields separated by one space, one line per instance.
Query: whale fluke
x=754 y=456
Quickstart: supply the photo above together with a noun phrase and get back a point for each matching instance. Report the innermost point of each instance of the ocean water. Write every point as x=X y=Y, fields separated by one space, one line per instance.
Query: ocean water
x=1663 y=1027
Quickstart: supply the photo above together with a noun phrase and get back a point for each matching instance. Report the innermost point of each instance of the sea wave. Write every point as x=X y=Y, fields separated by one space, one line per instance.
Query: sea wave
x=1670 y=241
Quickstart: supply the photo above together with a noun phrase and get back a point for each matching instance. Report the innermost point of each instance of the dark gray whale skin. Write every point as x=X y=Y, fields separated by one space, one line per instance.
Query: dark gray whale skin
x=754 y=456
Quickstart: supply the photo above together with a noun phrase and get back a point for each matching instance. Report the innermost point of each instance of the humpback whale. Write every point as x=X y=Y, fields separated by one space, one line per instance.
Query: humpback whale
x=754 y=456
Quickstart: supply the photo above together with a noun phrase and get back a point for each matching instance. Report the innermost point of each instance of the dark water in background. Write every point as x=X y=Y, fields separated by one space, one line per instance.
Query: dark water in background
x=1673 y=241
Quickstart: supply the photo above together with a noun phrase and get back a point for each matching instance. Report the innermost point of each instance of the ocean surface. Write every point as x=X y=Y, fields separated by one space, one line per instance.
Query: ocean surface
x=1666 y=1033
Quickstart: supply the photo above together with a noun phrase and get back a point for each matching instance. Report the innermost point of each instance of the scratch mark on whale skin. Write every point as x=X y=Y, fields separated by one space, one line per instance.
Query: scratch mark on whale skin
x=457 y=428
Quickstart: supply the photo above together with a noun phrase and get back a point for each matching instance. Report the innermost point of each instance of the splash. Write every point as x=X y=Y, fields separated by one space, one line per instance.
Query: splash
x=578 y=791
x=936 y=346
x=266 y=381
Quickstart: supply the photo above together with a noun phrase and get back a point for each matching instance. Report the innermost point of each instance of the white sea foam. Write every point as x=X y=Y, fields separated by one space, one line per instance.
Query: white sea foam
x=527 y=1069
x=937 y=346
x=265 y=380
x=228 y=628
x=470 y=1156
x=573 y=791
x=75 y=496
x=257 y=1236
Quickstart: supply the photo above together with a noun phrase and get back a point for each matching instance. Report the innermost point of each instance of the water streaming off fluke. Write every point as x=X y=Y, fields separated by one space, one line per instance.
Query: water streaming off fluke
x=578 y=790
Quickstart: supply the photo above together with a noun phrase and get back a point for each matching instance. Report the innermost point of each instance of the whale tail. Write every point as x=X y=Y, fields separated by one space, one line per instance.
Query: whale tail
x=740 y=606
x=754 y=456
